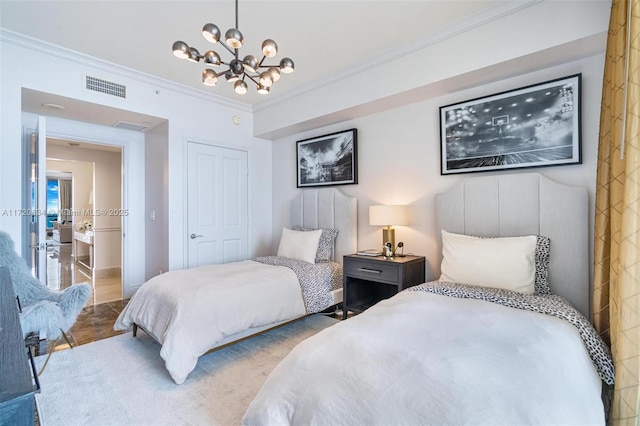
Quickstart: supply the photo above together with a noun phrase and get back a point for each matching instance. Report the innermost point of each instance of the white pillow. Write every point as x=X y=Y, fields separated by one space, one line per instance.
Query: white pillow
x=301 y=245
x=507 y=263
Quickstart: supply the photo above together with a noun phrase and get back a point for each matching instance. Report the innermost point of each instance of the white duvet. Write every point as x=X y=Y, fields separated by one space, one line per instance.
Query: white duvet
x=189 y=310
x=421 y=358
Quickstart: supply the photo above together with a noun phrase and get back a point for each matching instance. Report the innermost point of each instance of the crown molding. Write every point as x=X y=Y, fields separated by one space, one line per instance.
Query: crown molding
x=21 y=40
x=488 y=16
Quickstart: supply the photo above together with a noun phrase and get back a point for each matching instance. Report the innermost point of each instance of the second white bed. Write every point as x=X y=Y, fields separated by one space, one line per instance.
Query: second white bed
x=423 y=358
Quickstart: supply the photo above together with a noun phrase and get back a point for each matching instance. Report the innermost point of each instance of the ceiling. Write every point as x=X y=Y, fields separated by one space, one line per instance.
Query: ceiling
x=324 y=38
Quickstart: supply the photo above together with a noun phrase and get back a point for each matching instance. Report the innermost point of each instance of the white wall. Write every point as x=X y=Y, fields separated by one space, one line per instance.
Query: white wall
x=107 y=198
x=156 y=201
x=399 y=154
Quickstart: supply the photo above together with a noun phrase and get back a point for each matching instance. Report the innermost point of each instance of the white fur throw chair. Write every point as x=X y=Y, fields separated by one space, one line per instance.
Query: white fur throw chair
x=43 y=310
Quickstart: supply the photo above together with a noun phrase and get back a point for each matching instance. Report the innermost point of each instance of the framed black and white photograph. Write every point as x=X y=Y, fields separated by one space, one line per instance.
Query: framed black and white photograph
x=328 y=160
x=534 y=126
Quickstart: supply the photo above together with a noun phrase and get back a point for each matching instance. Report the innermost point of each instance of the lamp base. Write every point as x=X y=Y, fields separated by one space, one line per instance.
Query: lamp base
x=389 y=236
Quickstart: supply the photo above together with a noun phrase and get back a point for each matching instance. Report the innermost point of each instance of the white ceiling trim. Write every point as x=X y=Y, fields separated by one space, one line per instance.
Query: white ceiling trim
x=483 y=18
x=41 y=46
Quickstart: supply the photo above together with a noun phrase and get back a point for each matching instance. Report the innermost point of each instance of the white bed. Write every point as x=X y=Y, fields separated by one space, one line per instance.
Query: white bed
x=446 y=353
x=190 y=312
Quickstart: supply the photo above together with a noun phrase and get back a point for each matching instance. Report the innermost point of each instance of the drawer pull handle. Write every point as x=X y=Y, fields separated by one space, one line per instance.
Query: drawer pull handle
x=370 y=271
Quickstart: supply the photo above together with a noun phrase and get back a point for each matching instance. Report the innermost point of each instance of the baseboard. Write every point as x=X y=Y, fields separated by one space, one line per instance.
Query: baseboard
x=115 y=272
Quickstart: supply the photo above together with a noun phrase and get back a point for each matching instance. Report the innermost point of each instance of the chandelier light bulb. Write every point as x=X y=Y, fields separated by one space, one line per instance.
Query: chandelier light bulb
x=212 y=58
x=232 y=78
x=250 y=63
x=275 y=74
x=263 y=90
x=180 y=49
x=194 y=55
x=240 y=87
x=265 y=79
x=211 y=32
x=209 y=77
x=233 y=37
x=287 y=65
x=269 y=48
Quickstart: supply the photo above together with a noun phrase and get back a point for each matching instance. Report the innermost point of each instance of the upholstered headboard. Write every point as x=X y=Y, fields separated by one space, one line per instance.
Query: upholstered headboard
x=329 y=208
x=526 y=204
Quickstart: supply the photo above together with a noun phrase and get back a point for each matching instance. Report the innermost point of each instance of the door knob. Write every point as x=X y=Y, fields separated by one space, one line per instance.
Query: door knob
x=194 y=236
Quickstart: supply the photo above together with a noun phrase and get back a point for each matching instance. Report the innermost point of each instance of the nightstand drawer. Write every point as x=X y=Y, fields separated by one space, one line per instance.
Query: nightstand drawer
x=378 y=271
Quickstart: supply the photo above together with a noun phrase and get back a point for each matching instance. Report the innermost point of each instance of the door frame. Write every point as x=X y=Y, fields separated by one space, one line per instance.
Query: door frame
x=133 y=239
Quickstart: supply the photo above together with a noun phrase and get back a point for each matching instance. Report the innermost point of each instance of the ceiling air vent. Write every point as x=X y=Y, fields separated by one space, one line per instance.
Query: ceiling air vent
x=104 y=86
x=130 y=126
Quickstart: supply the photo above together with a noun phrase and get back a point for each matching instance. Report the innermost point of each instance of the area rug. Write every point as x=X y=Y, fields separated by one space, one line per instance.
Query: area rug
x=122 y=380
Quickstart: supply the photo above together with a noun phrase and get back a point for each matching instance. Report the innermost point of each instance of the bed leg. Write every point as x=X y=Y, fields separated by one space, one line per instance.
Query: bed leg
x=135 y=329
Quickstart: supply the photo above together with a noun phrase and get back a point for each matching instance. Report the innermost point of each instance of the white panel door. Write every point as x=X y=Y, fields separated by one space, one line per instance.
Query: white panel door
x=217 y=205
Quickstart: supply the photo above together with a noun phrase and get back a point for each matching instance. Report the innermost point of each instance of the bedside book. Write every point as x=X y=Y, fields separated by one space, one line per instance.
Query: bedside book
x=369 y=252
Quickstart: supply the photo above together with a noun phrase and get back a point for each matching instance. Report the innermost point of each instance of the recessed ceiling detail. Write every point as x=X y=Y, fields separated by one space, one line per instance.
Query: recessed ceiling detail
x=53 y=106
x=104 y=86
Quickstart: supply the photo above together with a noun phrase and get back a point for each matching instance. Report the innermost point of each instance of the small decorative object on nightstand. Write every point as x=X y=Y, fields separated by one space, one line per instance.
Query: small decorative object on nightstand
x=368 y=280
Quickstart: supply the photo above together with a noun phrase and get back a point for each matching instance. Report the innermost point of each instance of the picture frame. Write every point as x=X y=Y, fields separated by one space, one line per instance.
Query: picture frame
x=328 y=160
x=533 y=126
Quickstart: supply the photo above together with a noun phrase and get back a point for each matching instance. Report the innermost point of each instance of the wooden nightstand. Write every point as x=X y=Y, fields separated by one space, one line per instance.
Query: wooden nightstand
x=368 y=280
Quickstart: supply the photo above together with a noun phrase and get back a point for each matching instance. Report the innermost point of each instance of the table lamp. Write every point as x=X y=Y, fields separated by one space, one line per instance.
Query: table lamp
x=388 y=216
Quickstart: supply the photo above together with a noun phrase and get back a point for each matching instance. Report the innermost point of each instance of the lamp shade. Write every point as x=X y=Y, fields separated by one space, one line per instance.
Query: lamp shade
x=388 y=215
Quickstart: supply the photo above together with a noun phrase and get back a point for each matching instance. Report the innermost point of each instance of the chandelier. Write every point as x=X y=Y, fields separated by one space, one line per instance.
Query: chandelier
x=238 y=70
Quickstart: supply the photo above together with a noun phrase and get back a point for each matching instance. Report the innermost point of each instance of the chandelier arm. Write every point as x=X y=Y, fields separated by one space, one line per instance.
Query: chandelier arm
x=230 y=50
x=268 y=66
x=251 y=78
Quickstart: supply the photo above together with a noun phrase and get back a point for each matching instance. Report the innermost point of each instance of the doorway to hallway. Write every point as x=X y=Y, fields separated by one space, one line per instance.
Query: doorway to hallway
x=86 y=243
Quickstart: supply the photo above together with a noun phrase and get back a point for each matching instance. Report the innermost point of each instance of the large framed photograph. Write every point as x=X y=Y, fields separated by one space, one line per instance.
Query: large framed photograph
x=328 y=160
x=534 y=126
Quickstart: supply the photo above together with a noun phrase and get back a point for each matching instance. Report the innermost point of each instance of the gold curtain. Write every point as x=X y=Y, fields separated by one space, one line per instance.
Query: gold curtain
x=617 y=218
